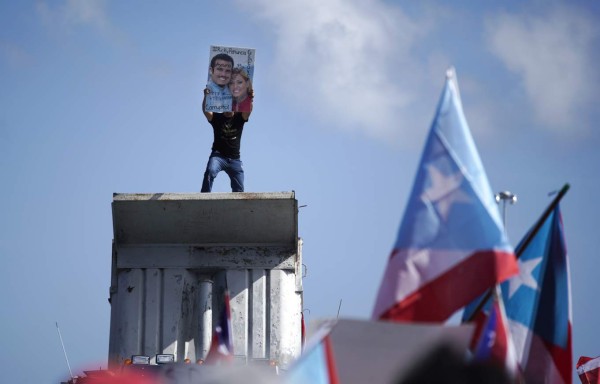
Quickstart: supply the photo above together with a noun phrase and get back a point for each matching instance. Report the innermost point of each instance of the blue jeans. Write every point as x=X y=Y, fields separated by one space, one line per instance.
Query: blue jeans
x=233 y=168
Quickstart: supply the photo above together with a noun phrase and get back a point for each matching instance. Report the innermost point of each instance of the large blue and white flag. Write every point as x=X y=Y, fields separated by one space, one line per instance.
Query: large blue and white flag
x=451 y=245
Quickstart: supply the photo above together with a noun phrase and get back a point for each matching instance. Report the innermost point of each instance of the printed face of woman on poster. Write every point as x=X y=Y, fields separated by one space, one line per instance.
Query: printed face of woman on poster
x=241 y=90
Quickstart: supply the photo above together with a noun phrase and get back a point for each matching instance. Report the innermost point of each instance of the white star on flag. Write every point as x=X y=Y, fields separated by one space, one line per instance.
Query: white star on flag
x=525 y=276
x=444 y=190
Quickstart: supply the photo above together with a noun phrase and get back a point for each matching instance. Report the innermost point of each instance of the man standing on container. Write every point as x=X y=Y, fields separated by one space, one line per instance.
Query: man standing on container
x=225 y=154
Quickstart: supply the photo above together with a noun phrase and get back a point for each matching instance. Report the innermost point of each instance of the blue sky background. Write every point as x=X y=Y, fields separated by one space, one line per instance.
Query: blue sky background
x=99 y=97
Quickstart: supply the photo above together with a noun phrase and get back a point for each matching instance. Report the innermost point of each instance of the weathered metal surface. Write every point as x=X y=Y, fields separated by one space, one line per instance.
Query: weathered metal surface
x=299 y=267
x=205 y=316
x=223 y=257
x=170 y=196
x=237 y=282
x=285 y=316
x=153 y=312
x=259 y=310
x=205 y=218
x=172 y=264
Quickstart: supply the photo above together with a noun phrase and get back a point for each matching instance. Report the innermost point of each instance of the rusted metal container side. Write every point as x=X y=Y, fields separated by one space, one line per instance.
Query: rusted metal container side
x=175 y=254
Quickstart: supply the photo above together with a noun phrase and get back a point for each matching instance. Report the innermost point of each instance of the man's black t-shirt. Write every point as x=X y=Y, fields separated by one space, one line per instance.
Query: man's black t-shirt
x=227 y=134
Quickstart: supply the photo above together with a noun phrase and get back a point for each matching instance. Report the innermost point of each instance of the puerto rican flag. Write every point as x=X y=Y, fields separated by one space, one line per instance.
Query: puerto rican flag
x=588 y=369
x=538 y=306
x=451 y=244
x=221 y=346
x=495 y=342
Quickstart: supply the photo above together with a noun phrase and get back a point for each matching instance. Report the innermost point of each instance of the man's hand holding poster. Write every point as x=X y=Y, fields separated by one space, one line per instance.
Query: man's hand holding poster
x=230 y=75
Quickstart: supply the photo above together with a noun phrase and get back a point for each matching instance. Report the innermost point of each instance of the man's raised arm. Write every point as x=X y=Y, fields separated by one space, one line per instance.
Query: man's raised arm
x=209 y=115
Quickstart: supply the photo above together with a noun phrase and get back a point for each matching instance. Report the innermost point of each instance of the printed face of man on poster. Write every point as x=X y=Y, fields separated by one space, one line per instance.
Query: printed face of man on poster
x=220 y=69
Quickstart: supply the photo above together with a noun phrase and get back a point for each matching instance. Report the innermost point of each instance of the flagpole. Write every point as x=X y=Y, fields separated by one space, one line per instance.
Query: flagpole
x=526 y=241
x=542 y=219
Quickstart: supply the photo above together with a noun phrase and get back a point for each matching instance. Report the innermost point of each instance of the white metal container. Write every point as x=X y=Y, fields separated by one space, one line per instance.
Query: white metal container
x=175 y=254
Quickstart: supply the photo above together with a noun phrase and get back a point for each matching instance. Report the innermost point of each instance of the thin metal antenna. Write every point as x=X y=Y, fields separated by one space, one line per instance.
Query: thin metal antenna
x=339 y=307
x=64 y=350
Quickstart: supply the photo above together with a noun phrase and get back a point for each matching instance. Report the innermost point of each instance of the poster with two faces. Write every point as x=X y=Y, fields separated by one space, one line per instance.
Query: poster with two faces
x=230 y=76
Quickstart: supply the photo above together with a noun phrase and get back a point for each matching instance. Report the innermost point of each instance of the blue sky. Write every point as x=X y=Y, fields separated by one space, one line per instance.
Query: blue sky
x=105 y=96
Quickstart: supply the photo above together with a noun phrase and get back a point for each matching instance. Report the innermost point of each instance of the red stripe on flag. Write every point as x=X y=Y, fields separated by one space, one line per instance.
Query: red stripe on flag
x=562 y=358
x=331 y=368
x=440 y=298
x=302 y=331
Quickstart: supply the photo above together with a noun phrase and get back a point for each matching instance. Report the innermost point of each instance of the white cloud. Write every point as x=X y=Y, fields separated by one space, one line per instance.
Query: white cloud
x=349 y=62
x=552 y=55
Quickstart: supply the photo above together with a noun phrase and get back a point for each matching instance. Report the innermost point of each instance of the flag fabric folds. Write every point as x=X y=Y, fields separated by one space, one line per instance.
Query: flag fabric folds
x=538 y=304
x=495 y=343
x=451 y=245
x=221 y=346
x=588 y=369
